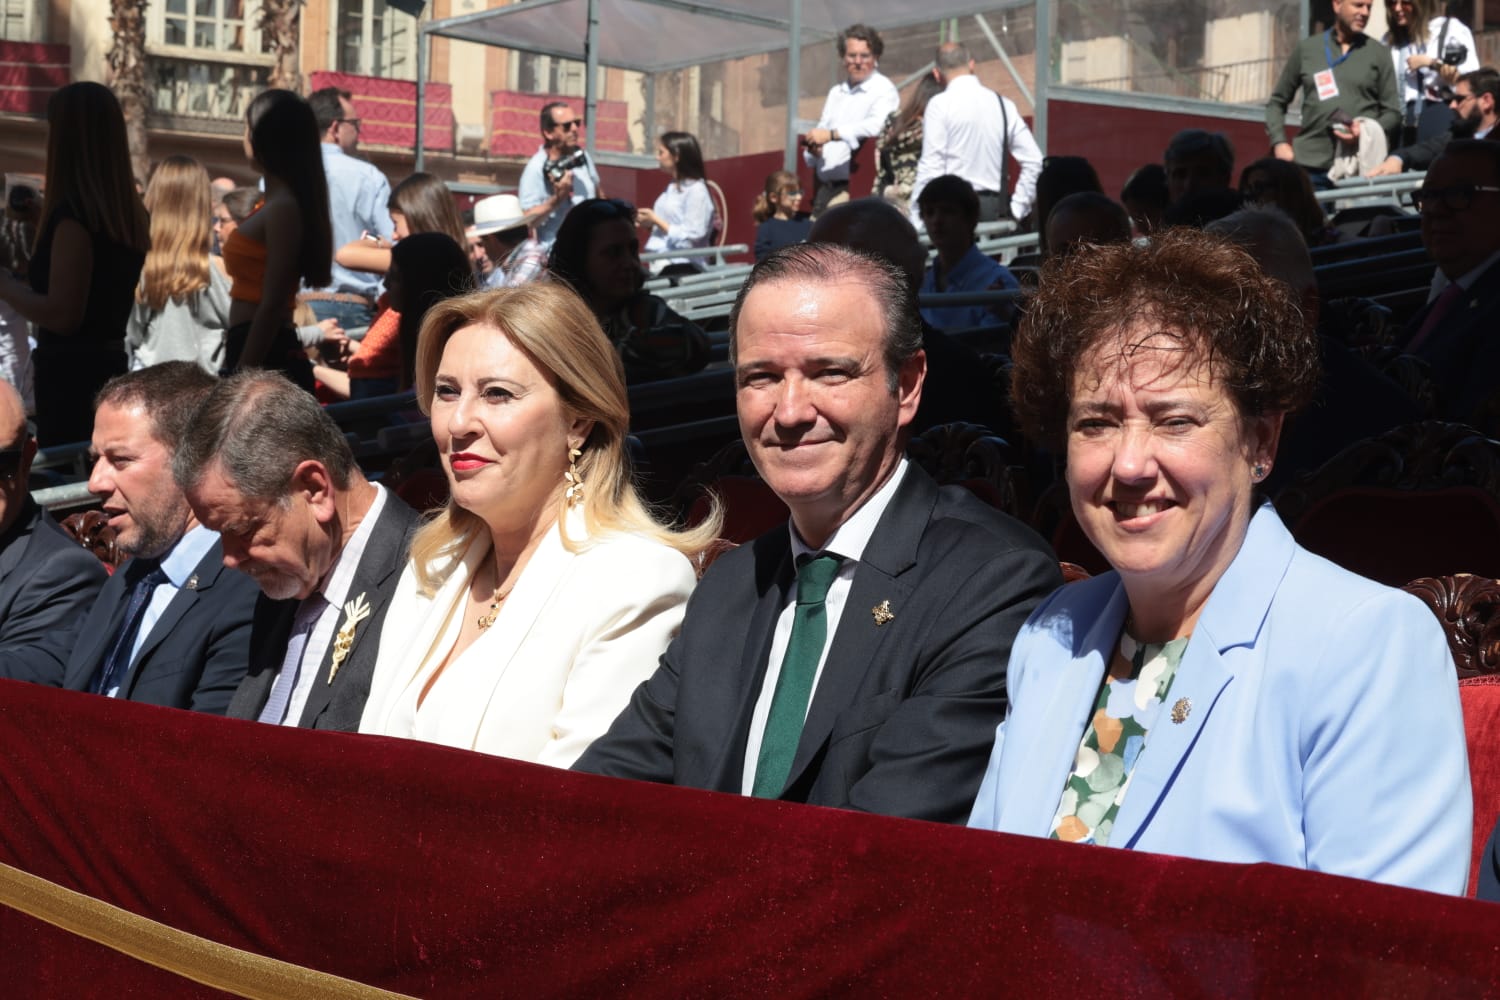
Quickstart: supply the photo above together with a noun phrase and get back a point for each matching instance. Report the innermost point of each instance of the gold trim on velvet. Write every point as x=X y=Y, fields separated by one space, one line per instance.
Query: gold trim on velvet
x=243 y=973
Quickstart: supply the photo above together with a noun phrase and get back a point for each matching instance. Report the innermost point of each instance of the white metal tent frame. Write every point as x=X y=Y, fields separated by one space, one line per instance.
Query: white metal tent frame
x=728 y=29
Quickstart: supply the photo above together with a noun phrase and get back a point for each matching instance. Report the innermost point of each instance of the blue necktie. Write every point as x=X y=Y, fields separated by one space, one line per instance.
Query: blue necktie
x=112 y=673
x=794 y=684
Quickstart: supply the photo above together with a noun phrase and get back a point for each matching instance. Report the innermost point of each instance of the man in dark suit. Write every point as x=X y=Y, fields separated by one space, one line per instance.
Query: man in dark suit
x=267 y=468
x=1458 y=332
x=170 y=627
x=857 y=656
x=47 y=580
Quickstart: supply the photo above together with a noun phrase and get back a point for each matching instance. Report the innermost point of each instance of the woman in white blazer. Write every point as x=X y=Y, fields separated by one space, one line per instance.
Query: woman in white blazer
x=537 y=600
x=1223 y=693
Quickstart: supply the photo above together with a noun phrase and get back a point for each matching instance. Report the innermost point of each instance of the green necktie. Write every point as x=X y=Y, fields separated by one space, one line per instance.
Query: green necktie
x=778 y=744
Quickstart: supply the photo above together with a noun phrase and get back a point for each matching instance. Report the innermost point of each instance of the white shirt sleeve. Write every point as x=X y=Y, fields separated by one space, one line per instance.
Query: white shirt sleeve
x=1029 y=155
x=933 y=162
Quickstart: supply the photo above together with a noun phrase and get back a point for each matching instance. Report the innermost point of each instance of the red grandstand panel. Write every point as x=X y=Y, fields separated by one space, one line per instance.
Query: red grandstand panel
x=29 y=73
x=514 y=127
x=389 y=109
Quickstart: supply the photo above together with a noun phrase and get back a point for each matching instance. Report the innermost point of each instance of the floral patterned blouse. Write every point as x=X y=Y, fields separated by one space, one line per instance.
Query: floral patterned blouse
x=1127 y=706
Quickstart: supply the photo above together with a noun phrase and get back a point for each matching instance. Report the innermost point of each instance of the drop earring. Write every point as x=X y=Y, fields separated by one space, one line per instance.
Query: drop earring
x=574 y=479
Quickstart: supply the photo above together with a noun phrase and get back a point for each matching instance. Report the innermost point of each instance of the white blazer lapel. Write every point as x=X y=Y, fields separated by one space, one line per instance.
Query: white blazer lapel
x=519 y=614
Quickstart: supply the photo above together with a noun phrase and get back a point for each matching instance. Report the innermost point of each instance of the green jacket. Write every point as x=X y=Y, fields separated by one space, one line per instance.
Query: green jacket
x=1366 y=79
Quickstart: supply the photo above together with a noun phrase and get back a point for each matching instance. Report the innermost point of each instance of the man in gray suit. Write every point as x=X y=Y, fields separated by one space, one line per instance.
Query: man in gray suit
x=856 y=656
x=47 y=581
x=267 y=468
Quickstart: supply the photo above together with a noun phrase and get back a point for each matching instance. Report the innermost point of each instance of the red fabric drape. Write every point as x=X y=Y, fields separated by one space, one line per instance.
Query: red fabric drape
x=439 y=872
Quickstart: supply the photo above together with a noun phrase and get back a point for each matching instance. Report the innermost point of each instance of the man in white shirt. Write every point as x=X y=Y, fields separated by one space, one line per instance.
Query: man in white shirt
x=266 y=467
x=853 y=656
x=968 y=130
x=856 y=110
x=358 y=195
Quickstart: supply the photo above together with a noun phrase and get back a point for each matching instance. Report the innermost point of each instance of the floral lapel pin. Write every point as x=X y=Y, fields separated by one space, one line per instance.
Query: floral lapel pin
x=1180 y=711
x=882 y=614
x=355 y=612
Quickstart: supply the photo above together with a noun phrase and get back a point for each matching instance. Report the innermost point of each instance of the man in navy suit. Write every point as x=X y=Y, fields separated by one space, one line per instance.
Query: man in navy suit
x=855 y=657
x=47 y=580
x=1457 y=332
x=265 y=466
x=172 y=626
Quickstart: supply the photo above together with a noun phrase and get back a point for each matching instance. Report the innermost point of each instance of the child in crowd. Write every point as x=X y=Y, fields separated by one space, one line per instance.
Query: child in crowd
x=778 y=221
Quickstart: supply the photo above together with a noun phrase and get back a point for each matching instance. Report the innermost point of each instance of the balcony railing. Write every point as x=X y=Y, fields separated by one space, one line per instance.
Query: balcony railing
x=204 y=95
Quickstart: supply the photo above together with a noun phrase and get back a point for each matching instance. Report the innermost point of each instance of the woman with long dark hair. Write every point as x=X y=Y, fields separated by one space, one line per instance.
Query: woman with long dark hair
x=90 y=247
x=899 y=145
x=285 y=242
x=683 y=217
x=598 y=253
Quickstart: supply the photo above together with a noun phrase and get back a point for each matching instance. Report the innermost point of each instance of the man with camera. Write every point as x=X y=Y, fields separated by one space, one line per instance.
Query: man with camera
x=559 y=176
x=1345 y=76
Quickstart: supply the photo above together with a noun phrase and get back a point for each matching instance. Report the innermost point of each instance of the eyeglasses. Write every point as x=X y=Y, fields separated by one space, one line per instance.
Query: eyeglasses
x=859 y=57
x=1460 y=99
x=358 y=123
x=1455 y=197
x=570 y=125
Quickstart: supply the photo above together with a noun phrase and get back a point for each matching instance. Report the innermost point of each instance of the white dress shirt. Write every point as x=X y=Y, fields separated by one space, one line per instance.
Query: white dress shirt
x=334 y=591
x=688 y=210
x=848 y=542
x=961 y=134
x=858 y=111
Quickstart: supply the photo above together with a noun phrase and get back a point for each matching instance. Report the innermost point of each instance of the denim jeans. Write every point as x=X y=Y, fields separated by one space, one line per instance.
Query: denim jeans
x=354 y=317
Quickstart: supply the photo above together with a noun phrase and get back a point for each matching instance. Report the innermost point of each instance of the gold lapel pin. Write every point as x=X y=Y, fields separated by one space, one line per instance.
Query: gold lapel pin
x=355 y=612
x=1180 y=710
x=192 y=582
x=882 y=613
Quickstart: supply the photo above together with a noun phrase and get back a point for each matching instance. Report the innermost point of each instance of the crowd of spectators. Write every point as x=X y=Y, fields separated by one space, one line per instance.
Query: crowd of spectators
x=893 y=645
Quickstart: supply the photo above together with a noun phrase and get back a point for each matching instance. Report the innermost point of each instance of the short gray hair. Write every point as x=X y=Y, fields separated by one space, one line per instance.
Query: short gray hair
x=258 y=426
x=831 y=263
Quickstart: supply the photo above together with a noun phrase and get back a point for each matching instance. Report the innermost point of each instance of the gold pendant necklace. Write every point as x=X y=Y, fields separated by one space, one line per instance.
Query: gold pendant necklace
x=486 y=620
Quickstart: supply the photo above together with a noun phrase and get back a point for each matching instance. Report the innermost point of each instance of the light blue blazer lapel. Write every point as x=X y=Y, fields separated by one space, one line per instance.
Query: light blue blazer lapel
x=1051 y=739
x=1233 y=617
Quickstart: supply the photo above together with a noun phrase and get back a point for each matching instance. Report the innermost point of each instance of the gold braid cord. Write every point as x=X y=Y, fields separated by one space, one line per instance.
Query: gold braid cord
x=233 y=970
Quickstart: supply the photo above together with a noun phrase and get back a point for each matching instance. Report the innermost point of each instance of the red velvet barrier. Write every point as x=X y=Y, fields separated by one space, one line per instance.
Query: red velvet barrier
x=439 y=873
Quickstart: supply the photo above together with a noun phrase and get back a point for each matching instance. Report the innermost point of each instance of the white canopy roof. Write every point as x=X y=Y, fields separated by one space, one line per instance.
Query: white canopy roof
x=660 y=35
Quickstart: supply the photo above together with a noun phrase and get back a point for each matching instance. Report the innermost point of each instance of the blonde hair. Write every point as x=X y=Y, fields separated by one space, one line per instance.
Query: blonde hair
x=781 y=180
x=555 y=330
x=180 y=201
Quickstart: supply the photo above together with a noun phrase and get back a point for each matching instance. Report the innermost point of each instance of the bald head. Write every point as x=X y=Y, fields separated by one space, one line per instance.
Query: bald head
x=876 y=227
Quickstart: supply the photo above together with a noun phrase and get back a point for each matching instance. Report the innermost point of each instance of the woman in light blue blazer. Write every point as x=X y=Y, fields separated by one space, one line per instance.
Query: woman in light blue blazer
x=1222 y=694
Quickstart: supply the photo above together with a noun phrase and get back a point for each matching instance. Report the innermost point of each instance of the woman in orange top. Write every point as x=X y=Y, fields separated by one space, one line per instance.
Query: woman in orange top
x=287 y=241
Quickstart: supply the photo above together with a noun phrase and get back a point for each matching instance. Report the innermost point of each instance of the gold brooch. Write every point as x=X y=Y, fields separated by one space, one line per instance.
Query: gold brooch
x=1181 y=709
x=882 y=613
x=355 y=612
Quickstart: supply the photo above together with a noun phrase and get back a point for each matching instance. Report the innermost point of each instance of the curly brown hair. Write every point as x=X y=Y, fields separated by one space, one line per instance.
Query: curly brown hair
x=1199 y=289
